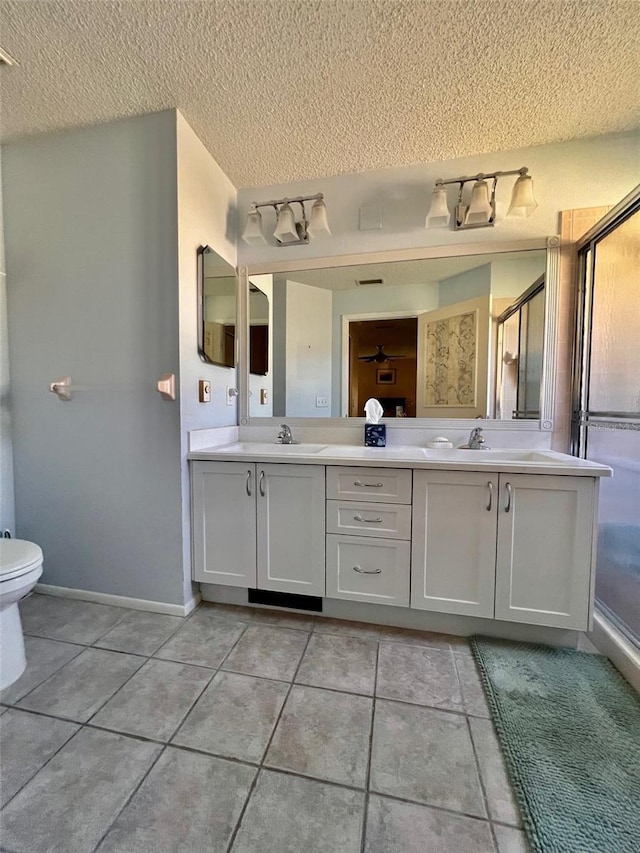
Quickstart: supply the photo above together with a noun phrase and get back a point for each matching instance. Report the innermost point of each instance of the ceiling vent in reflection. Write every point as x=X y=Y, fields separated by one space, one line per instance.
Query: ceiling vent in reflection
x=367 y=282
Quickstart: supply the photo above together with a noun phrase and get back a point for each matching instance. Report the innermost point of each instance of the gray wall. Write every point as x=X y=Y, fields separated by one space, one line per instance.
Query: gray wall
x=206 y=201
x=465 y=285
x=92 y=266
x=7 y=514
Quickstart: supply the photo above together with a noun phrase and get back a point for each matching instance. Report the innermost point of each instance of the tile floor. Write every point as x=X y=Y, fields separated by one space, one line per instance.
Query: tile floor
x=246 y=731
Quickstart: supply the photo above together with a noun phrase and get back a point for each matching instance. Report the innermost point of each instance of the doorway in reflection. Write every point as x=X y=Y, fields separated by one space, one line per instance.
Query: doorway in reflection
x=383 y=361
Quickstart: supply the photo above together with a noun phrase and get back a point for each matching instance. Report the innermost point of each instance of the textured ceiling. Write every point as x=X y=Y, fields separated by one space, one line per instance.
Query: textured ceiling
x=282 y=90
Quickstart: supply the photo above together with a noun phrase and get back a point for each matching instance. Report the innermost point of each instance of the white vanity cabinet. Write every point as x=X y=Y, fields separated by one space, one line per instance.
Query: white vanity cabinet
x=516 y=547
x=453 y=564
x=544 y=550
x=259 y=526
x=513 y=545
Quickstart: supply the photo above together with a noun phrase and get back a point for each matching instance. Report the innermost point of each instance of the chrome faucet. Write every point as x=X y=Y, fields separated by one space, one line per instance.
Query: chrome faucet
x=476 y=441
x=285 y=436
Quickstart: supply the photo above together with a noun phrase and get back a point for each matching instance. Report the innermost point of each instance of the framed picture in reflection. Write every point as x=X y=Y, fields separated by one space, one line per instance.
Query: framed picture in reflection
x=386 y=376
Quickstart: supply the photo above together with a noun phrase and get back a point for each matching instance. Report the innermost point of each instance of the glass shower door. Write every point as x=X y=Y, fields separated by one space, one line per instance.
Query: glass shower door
x=607 y=420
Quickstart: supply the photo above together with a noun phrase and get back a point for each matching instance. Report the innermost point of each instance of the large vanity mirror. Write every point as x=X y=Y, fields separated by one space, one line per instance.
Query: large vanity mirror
x=217 y=313
x=462 y=336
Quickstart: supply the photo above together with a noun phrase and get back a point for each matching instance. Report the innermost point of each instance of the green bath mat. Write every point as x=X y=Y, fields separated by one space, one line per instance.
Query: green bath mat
x=569 y=727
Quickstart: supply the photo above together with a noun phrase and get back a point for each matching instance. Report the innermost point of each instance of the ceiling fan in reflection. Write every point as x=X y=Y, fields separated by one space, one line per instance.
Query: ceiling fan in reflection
x=380 y=356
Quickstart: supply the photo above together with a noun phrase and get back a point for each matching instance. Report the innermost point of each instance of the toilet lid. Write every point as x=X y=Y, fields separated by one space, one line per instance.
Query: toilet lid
x=18 y=556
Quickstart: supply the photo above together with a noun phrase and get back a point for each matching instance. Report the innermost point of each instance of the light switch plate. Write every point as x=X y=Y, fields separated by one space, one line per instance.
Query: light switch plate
x=204 y=391
x=322 y=402
x=264 y=396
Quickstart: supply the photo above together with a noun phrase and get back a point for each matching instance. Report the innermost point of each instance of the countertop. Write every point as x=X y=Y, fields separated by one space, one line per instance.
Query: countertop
x=507 y=460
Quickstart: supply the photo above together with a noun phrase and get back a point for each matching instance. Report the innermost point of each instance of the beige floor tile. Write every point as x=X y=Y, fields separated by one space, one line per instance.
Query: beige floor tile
x=420 y=675
x=188 y=803
x=268 y=652
x=425 y=755
x=339 y=663
x=396 y=827
x=234 y=717
x=323 y=734
x=287 y=814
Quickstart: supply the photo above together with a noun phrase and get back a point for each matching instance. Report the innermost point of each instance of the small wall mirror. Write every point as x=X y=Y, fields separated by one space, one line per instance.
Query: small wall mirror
x=217 y=288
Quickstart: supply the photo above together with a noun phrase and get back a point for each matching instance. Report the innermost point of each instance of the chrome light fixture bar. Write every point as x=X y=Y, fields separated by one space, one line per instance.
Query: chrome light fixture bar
x=480 y=209
x=289 y=231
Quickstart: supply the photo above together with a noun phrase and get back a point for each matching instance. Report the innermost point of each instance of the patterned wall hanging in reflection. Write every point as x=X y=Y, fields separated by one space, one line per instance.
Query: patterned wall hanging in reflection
x=450 y=374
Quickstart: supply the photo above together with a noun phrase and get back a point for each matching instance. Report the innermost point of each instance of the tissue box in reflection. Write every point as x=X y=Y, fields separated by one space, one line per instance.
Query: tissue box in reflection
x=375 y=435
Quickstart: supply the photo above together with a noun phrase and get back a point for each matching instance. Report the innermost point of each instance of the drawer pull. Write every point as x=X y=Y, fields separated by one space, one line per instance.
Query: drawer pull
x=262 y=492
x=490 y=503
x=367 y=520
x=367 y=485
x=362 y=571
x=248 y=484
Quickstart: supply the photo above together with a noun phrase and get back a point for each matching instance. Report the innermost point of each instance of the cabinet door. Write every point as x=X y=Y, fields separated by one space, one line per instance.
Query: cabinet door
x=291 y=528
x=224 y=523
x=454 y=542
x=543 y=569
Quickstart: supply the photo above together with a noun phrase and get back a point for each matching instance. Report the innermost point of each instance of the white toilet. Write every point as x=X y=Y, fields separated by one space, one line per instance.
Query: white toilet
x=20 y=568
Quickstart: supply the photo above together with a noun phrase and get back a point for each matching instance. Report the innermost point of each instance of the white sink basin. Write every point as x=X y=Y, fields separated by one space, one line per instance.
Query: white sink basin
x=465 y=455
x=342 y=451
x=259 y=448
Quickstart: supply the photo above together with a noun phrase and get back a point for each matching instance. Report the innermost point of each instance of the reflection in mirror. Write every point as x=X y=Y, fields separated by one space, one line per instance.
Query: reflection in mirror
x=260 y=346
x=258 y=331
x=216 y=309
x=422 y=336
x=520 y=335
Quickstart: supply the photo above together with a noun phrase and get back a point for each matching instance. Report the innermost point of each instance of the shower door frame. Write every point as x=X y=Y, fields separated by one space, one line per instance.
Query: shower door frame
x=581 y=415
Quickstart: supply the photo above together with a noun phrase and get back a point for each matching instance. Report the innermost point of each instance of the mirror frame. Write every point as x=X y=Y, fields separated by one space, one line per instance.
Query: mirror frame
x=547 y=389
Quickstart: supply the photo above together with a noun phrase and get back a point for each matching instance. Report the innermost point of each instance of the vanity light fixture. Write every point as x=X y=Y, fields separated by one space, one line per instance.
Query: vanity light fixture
x=289 y=231
x=480 y=209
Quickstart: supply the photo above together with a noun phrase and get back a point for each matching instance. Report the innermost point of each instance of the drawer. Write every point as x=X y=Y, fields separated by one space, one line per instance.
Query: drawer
x=375 y=570
x=355 y=518
x=379 y=485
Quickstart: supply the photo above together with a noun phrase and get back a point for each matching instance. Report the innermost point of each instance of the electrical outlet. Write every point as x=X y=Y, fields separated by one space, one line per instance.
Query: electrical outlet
x=322 y=402
x=232 y=393
x=204 y=391
x=264 y=396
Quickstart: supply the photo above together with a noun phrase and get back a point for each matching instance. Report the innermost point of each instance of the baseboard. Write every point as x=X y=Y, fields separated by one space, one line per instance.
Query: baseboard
x=620 y=651
x=120 y=600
